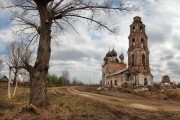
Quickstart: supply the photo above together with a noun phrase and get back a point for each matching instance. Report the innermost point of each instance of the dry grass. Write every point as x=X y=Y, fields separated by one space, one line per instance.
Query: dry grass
x=65 y=106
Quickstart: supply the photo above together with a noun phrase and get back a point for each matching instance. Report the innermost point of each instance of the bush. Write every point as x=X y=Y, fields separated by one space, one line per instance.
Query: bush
x=150 y=88
x=124 y=85
x=157 y=86
x=53 y=80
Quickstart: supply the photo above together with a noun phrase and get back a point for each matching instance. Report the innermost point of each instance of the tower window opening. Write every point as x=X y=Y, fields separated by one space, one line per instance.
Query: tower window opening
x=133 y=42
x=145 y=82
x=134 y=29
x=143 y=60
x=115 y=82
x=132 y=60
x=142 y=42
x=141 y=29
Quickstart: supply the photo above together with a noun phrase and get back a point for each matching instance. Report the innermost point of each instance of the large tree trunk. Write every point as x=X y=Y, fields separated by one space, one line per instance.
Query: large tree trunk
x=38 y=89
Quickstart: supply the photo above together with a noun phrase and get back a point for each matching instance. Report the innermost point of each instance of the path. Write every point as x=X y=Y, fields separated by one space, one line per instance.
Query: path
x=145 y=104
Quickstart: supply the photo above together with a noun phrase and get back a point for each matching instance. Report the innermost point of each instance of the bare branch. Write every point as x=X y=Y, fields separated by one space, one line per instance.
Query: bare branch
x=92 y=20
x=57 y=4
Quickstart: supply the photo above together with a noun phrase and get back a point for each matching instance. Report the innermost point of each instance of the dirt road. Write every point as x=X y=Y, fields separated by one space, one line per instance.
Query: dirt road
x=143 y=104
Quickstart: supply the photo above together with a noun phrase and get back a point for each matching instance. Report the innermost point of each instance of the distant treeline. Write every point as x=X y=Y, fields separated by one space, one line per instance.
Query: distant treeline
x=63 y=80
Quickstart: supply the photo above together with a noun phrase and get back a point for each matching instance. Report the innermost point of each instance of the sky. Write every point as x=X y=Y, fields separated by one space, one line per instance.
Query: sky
x=82 y=53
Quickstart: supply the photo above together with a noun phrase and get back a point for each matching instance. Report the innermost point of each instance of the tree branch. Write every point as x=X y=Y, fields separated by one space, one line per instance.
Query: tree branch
x=90 y=19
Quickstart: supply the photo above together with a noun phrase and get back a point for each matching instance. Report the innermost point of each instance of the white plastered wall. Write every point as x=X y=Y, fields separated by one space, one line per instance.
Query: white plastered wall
x=142 y=77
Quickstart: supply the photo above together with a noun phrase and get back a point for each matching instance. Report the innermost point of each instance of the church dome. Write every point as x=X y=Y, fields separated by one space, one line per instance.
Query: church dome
x=108 y=54
x=121 y=56
x=165 y=79
x=105 y=58
x=113 y=53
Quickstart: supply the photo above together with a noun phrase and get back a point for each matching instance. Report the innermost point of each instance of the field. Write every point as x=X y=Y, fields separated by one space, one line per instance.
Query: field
x=70 y=104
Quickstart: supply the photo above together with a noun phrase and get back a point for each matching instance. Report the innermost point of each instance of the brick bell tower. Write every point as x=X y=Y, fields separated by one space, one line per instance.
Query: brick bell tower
x=138 y=52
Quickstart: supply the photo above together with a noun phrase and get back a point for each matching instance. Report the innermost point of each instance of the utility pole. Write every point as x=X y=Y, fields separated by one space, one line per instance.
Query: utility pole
x=89 y=80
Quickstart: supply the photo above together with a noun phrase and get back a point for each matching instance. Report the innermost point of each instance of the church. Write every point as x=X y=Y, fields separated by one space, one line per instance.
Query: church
x=137 y=73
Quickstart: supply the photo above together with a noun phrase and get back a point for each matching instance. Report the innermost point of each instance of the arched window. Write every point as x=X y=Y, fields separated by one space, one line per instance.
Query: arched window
x=143 y=60
x=142 y=42
x=133 y=42
x=115 y=82
x=133 y=60
x=141 y=29
x=145 y=82
x=134 y=29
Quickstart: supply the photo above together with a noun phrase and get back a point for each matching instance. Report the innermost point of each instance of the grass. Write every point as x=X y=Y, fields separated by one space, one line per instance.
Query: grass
x=66 y=106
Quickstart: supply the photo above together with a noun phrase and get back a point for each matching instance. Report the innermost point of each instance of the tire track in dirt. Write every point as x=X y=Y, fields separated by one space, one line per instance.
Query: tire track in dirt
x=137 y=104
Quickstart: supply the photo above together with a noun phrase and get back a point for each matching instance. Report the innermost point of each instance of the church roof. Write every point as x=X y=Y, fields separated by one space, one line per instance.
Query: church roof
x=121 y=56
x=113 y=53
x=4 y=79
x=165 y=79
x=105 y=58
x=118 y=72
x=108 y=54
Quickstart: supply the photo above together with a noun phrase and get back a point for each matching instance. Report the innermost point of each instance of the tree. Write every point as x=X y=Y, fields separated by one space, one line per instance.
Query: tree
x=59 y=14
x=65 y=78
x=24 y=75
x=17 y=53
x=76 y=82
x=53 y=80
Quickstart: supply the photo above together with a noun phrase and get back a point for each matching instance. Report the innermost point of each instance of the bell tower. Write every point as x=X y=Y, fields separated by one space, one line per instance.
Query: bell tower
x=138 y=52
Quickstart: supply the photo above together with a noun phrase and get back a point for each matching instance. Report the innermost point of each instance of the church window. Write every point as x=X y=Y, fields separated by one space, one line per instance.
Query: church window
x=134 y=29
x=141 y=28
x=143 y=60
x=145 y=82
x=115 y=82
x=133 y=60
x=133 y=42
x=142 y=42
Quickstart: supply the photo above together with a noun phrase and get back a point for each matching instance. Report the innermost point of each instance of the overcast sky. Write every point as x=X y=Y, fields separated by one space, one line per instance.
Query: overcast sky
x=82 y=54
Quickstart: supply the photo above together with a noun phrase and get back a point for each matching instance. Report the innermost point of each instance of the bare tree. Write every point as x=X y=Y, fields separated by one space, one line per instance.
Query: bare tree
x=17 y=54
x=24 y=75
x=41 y=16
x=76 y=82
x=65 y=78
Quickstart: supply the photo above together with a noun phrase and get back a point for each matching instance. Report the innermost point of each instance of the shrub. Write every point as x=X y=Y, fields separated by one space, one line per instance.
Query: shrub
x=124 y=85
x=157 y=86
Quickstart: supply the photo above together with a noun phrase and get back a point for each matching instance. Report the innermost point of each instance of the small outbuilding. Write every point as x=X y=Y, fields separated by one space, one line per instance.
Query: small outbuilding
x=3 y=82
x=166 y=82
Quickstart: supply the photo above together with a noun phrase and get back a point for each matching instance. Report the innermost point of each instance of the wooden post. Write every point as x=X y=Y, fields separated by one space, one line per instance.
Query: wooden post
x=9 y=83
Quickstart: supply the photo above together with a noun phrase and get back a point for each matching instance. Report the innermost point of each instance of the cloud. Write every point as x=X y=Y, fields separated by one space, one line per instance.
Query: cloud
x=4 y=20
x=82 y=54
x=94 y=45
